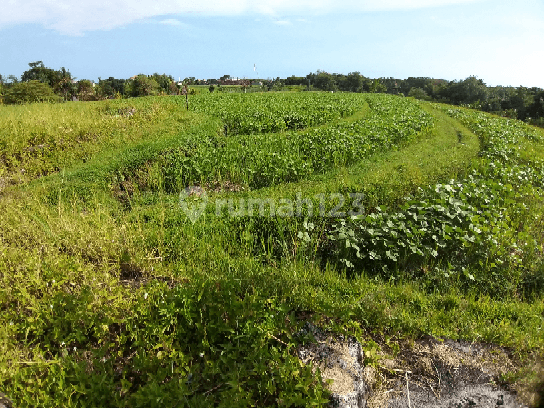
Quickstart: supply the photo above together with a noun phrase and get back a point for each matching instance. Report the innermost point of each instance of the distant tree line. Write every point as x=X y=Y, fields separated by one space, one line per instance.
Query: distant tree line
x=353 y=82
x=40 y=83
x=519 y=103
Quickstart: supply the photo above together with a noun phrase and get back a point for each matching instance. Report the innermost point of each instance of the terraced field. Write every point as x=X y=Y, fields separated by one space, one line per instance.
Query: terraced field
x=153 y=256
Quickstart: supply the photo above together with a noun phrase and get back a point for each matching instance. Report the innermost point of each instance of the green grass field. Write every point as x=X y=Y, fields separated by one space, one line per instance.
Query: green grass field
x=367 y=214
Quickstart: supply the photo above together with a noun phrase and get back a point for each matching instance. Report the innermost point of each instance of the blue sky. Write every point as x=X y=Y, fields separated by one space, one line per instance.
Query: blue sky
x=500 y=42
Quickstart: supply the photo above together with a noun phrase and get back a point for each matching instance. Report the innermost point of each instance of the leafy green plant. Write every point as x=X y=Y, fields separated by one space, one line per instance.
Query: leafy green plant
x=472 y=230
x=194 y=345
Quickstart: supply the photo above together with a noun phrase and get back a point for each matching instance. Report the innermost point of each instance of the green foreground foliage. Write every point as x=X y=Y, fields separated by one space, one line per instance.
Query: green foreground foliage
x=417 y=219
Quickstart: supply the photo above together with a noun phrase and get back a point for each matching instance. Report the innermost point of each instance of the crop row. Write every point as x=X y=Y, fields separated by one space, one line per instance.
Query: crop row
x=481 y=230
x=265 y=113
x=390 y=122
x=501 y=138
x=265 y=159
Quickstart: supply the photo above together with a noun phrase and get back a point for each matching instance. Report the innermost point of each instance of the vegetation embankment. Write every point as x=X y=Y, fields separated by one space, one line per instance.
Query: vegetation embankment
x=40 y=139
x=112 y=296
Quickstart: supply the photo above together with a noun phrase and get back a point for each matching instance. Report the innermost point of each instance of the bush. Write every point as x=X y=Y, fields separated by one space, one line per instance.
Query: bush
x=419 y=93
x=28 y=92
x=142 y=85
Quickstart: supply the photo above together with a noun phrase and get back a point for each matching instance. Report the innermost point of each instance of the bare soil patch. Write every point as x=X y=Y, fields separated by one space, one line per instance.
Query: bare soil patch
x=427 y=372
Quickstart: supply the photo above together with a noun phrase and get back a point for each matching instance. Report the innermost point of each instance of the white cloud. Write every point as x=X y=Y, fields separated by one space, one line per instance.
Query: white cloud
x=411 y=4
x=282 y=22
x=170 y=21
x=173 y=22
x=76 y=17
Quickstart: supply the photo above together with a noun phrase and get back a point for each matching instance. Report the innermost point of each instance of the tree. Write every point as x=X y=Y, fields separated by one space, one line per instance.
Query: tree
x=111 y=87
x=468 y=91
x=142 y=85
x=85 y=91
x=174 y=88
x=392 y=85
x=38 y=72
x=28 y=92
x=520 y=101
x=536 y=109
x=293 y=80
x=418 y=93
x=64 y=85
x=163 y=81
x=60 y=81
x=105 y=88
x=275 y=84
x=374 y=86
x=353 y=82
x=323 y=80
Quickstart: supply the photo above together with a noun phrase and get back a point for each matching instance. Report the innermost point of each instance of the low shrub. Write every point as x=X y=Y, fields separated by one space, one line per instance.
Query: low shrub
x=29 y=92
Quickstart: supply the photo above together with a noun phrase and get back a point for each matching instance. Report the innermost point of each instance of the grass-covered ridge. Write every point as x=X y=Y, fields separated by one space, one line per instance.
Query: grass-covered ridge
x=111 y=296
x=40 y=139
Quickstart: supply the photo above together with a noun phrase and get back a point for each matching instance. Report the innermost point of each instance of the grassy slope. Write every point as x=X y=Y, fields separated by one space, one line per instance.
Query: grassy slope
x=80 y=270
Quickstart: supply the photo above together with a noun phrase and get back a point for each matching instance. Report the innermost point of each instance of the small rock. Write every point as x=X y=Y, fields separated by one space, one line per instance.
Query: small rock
x=5 y=402
x=339 y=359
